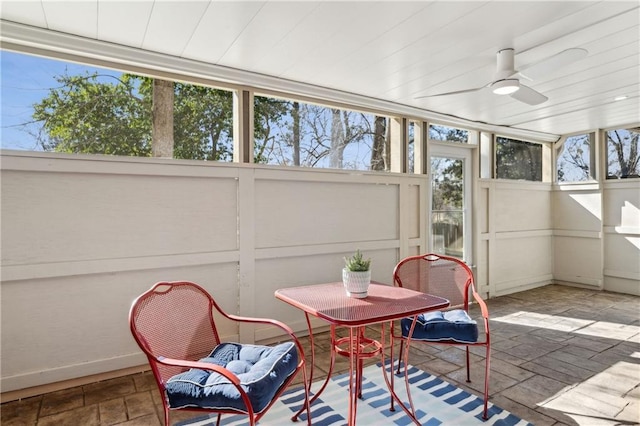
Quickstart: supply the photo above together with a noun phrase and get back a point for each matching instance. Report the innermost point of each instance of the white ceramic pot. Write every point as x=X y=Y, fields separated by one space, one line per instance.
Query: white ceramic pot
x=356 y=284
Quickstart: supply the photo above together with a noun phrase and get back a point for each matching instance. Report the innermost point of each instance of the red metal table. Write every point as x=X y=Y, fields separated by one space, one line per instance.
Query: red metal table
x=384 y=304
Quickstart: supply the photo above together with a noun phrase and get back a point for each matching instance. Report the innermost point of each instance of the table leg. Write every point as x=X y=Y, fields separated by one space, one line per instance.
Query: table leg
x=355 y=373
x=313 y=360
x=390 y=383
x=382 y=334
x=358 y=348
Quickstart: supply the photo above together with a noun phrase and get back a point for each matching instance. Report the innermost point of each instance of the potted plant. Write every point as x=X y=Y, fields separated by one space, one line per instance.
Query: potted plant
x=356 y=275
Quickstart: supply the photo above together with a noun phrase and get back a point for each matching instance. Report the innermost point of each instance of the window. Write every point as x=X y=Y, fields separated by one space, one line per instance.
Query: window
x=451 y=199
x=575 y=159
x=446 y=205
x=50 y=105
x=623 y=157
x=291 y=133
x=518 y=160
x=448 y=134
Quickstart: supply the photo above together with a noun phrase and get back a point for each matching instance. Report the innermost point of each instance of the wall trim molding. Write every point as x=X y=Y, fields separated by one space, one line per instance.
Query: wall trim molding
x=571 y=233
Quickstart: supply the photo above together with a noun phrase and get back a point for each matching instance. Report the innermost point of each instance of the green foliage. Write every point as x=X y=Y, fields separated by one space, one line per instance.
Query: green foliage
x=268 y=115
x=445 y=133
x=95 y=114
x=105 y=114
x=112 y=113
x=447 y=185
x=356 y=263
x=518 y=160
x=203 y=123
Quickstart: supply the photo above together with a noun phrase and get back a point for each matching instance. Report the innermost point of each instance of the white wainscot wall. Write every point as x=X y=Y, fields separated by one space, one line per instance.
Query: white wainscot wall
x=82 y=236
x=577 y=243
x=597 y=235
x=514 y=236
x=622 y=236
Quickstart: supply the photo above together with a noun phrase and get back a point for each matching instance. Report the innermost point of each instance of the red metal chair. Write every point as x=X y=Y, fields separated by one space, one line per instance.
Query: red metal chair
x=174 y=325
x=452 y=279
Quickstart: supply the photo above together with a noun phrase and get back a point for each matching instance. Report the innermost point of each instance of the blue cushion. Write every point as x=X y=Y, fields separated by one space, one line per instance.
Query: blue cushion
x=455 y=325
x=261 y=369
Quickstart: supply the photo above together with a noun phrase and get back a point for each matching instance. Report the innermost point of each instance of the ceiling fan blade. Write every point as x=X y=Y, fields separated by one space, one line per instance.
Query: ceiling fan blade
x=457 y=92
x=552 y=63
x=529 y=96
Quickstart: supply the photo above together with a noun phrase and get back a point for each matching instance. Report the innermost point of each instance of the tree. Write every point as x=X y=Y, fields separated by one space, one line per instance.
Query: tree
x=295 y=114
x=623 y=155
x=120 y=115
x=310 y=135
x=162 y=125
x=573 y=163
x=203 y=123
x=518 y=160
x=445 y=133
x=338 y=141
x=380 y=151
x=447 y=185
x=268 y=116
x=95 y=114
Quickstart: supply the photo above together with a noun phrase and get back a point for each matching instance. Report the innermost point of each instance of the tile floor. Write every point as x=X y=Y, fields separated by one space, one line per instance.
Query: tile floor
x=561 y=356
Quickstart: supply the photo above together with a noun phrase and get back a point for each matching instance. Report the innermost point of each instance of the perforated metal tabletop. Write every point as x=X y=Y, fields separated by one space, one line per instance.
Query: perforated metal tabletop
x=383 y=303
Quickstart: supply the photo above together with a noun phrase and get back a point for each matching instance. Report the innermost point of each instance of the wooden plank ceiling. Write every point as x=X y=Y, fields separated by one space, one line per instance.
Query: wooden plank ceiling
x=393 y=50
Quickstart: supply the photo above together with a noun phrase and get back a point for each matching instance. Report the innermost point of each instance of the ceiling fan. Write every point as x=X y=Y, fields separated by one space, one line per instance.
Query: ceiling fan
x=506 y=82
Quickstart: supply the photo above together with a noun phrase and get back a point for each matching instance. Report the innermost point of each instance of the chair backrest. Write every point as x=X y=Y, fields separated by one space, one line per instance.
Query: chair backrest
x=439 y=275
x=174 y=320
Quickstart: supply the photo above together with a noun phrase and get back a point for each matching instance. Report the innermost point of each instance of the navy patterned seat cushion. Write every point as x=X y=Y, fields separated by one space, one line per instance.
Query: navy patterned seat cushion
x=455 y=326
x=261 y=369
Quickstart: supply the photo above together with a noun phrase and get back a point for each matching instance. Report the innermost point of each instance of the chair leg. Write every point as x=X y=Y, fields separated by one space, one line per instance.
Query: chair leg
x=468 y=372
x=399 y=356
x=486 y=381
x=166 y=416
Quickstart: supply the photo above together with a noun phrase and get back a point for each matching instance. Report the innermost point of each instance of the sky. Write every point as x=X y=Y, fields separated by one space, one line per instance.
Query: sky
x=24 y=81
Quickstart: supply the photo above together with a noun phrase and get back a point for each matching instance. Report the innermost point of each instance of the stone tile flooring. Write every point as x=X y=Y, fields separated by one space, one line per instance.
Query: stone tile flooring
x=560 y=356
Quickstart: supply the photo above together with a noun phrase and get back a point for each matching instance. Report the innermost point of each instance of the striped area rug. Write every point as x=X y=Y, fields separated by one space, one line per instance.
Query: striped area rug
x=437 y=403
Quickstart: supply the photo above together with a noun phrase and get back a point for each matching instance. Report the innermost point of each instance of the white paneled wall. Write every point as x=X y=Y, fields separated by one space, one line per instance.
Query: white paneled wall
x=597 y=235
x=514 y=236
x=622 y=236
x=577 y=248
x=83 y=236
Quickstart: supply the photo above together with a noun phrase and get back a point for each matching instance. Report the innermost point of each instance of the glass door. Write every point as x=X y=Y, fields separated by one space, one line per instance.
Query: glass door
x=451 y=201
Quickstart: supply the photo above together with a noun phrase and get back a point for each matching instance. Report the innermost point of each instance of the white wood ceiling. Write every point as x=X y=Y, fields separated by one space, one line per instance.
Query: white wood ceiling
x=391 y=50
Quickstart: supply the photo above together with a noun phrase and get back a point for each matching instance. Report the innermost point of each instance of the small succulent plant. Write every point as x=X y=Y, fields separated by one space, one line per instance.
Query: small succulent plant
x=357 y=263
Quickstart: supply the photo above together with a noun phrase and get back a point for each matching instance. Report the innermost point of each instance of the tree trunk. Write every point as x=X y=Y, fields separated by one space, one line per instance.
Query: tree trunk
x=377 y=153
x=295 y=112
x=337 y=140
x=162 y=133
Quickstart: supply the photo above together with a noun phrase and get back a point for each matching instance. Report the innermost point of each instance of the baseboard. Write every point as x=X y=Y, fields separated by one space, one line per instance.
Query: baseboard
x=71 y=383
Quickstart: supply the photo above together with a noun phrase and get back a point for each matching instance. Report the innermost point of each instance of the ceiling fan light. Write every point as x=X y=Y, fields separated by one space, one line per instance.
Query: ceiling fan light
x=505 y=87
